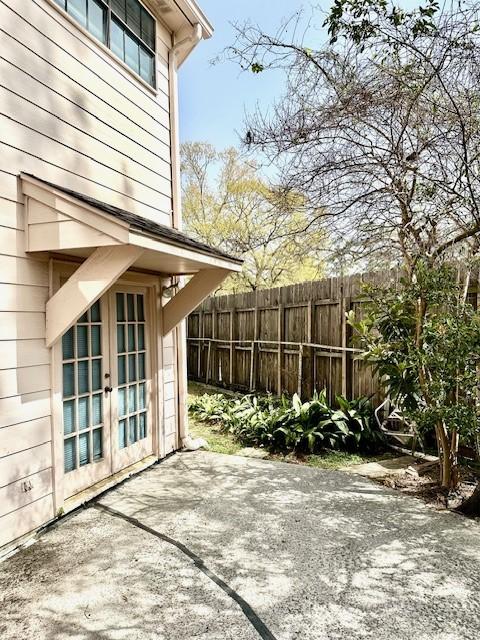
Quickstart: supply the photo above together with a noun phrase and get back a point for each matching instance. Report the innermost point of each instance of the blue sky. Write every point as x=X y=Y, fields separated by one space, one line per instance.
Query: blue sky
x=213 y=99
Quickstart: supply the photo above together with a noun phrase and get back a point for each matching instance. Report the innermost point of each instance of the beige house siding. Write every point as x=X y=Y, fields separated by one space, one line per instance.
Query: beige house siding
x=73 y=115
x=68 y=108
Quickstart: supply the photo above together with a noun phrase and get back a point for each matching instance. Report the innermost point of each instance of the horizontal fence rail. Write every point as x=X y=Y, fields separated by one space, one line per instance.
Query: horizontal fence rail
x=255 y=348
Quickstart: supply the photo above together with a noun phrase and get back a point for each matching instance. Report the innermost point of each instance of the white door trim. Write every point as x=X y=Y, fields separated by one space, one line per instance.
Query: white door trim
x=153 y=286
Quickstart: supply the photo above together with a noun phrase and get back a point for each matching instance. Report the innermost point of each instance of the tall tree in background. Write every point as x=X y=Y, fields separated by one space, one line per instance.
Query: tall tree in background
x=380 y=127
x=226 y=203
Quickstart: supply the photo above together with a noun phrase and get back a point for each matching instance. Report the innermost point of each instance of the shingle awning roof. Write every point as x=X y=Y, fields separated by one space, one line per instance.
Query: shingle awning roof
x=109 y=241
x=144 y=225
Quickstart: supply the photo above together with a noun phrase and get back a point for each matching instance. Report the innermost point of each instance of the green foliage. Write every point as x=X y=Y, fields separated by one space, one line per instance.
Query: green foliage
x=228 y=203
x=361 y=20
x=288 y=424
x=423 y=338
x=257 y=67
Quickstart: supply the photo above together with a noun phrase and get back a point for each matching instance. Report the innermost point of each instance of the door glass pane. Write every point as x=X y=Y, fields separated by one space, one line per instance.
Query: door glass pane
x=141 y=366
x=132 y=368
x=97 y=20
x=83 y=413
x=146 y=66
x=132 y=398
x=140 y=309
x=131 y=337
x=131 y=307
x=83 y=381
x=82 y=342
x=142 y=398
x=96 y=374
x=121 y=338
x=68 y=380
x=97 y=413
x=122 y=373
x=67 y=345
x=142 y=426
x=69 y=455
x=132 y=429
x=120 y=307
x=95 y=312
x=122 y=434
x=131 y=53
x=84 y=448
x=78 y=10
x=97 y=444
x=69 y=417
x=141 y=337
x=122 y=401
x=116 y=41
x=96 y=340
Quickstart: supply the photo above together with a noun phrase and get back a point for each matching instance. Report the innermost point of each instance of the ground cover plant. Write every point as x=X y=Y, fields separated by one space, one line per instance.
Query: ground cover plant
x=290 y=425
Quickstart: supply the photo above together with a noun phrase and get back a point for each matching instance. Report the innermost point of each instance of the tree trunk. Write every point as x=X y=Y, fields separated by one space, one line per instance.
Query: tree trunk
x=471 y=507
x=447 y=452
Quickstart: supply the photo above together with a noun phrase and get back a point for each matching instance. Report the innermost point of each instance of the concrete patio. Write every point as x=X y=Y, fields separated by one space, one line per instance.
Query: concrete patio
x=219 y=547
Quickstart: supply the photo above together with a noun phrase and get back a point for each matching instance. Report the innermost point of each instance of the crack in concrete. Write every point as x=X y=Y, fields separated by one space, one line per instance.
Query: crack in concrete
x=257 y=623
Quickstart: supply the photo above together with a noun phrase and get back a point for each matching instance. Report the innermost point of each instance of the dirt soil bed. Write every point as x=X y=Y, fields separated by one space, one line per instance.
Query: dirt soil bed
x=427 y=487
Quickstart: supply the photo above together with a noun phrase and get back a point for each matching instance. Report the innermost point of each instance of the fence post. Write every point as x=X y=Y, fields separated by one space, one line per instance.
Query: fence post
x=300 y=370
x=346 y=356
x=311 y=350
x=280 y=331
x=232 y=346
x=252 y=367
x=213 y=355
x=207 y=370
x=255 y=345
x=200 y=343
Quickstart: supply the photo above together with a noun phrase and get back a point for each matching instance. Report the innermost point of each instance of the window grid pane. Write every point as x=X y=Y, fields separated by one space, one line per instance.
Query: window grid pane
x=97 y=20
x=82 y=391
x=129 y=30
x=78 y=10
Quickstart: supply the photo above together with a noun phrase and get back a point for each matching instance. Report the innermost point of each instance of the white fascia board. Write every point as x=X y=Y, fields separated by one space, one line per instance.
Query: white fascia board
x=160 y=246
x=196 y=16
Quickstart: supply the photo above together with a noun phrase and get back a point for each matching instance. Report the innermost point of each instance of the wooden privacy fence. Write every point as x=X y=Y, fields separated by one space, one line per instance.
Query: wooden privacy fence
x=290 y=339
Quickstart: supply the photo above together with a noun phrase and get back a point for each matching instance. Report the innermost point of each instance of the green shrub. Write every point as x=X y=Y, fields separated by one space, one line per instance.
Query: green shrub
x=287 y=424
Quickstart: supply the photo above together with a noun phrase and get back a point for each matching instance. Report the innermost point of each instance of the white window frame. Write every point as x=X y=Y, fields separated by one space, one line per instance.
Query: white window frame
x=152 y=88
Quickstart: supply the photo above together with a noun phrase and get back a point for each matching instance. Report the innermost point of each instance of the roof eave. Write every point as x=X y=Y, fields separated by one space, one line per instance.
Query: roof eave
x=195 y=15
x=60 y=222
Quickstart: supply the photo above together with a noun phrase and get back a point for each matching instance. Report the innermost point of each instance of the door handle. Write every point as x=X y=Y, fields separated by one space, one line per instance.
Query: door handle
x=108 y=389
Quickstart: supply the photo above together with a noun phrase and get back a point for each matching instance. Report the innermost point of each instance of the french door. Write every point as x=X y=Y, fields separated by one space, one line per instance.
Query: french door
x=106 y=386
x=130 y=378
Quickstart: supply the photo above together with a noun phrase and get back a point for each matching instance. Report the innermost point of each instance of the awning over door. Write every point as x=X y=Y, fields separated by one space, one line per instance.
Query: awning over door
x=111 y=240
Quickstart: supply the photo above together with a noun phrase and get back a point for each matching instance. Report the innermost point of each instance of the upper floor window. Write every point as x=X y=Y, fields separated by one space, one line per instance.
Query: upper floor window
x=124 y=26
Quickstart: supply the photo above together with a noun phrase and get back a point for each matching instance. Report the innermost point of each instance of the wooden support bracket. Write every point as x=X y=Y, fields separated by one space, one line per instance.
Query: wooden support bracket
x=192 y=294
x=90 y=281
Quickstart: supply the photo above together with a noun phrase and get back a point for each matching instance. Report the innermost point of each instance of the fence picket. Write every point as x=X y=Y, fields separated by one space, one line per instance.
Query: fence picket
x=293 y=339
